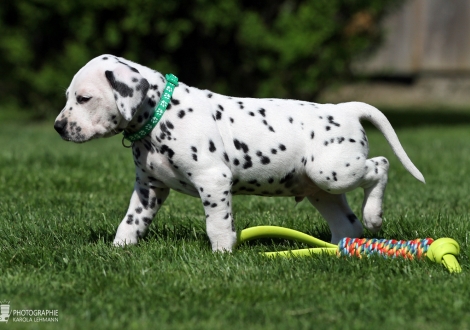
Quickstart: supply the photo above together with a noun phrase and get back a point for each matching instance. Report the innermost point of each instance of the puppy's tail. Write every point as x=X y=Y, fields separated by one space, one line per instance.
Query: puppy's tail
x=378 y=119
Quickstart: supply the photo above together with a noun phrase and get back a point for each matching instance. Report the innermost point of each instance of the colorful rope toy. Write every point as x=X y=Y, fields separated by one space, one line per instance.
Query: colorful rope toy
x=442 y=250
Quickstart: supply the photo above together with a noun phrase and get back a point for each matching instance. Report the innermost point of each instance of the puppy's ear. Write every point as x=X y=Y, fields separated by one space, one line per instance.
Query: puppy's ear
x=129 y=89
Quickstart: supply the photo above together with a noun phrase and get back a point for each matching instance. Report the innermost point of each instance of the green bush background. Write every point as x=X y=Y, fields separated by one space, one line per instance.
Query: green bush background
x=276 y=48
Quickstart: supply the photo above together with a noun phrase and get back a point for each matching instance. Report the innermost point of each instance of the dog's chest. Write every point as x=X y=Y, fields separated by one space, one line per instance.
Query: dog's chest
x=156 y=167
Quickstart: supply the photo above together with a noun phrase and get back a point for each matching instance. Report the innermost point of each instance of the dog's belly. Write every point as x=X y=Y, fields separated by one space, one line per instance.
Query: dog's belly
x=291 y=184
x=278 y=182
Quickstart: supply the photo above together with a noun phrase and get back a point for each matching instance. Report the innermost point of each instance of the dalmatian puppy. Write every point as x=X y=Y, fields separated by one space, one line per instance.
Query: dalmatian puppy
x=213 y=146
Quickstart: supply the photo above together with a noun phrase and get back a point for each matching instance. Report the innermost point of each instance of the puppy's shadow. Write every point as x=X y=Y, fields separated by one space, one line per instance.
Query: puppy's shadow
x=173 y=232
x=169 y=232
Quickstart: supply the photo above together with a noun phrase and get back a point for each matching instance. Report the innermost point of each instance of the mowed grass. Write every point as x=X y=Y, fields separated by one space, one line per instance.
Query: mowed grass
x=60 y=204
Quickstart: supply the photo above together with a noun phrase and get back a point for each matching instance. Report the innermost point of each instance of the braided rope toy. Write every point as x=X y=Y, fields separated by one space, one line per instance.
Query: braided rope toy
x=442 y=250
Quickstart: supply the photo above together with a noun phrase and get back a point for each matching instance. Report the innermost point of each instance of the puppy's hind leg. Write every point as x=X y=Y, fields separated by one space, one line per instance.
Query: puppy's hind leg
x=374 y=182
x=336 y=211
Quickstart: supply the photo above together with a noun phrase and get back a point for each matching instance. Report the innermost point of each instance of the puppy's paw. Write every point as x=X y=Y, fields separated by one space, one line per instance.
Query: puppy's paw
x=121 y=242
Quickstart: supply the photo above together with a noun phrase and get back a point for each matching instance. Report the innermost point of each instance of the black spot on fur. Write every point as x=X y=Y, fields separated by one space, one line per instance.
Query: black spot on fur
x=264 y=160
x=248 y=163
x=211 y=146
x=181 y=114
x=287 y=179
x=240 y=145
x=145 y=193
x=147 y=145
x=352 y=218
x=164 y=148
x=120 y=87
x=151 y=103
x=331 y=121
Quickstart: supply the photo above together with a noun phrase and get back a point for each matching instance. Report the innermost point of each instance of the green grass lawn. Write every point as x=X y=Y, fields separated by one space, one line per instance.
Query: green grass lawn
x=60 y=205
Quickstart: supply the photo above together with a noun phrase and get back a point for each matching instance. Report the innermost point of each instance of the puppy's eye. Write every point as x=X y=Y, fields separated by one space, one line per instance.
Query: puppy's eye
x=83 y=99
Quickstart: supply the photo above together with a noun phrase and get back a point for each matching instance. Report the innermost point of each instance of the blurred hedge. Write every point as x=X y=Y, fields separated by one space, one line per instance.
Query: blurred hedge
x=276 y=48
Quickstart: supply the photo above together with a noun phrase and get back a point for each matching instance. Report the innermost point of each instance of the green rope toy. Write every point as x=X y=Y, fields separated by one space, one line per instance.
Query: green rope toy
x=442 y=250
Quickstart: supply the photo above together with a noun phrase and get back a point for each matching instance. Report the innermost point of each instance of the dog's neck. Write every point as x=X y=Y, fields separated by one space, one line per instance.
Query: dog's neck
x=141 y=117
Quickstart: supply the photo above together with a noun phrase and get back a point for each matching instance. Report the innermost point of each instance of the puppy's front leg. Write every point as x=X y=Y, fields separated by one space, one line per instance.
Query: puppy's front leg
x=144 y=205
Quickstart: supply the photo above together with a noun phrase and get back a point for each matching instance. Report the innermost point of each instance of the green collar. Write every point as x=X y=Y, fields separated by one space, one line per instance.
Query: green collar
x=171 y=83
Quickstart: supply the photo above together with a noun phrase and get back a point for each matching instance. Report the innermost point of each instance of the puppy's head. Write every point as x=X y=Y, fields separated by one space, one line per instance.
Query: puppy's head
x=102 y=99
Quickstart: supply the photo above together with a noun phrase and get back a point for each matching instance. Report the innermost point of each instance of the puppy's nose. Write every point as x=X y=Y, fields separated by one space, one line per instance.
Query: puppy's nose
x=60 y=125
